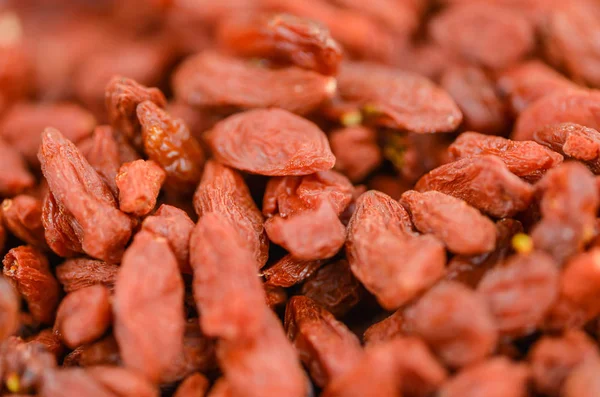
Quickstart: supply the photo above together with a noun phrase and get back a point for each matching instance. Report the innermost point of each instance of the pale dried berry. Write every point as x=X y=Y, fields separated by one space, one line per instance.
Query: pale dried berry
x=459 y=226
x=455 y=323
x=483 y=182
x=520 y=292
x=169 y=143
x=139 y=183
x=377 y=240
x=84 y=315
x=270 y=142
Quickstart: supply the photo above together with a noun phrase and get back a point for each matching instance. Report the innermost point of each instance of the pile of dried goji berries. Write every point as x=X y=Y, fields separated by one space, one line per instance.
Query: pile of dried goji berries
x=296 y=198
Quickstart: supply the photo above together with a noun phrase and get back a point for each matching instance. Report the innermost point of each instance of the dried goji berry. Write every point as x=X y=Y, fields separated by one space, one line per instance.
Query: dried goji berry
x=567 y=31
x=195 y=385
x=17 y=177
x=490 y=35
x=309 y=235
x=22 y=216
x=497 y=377
x=28 y=271
x=23 y=123
x=334 y=287
x=104 y=156
x=148 y=306
x=325 y=346
x=265 y=364
x=529 y=81
x=553 y=358
x=578 y=300
x=282 y=37
x=483 y=182
x=574 y=106
x=123 y=95
x=523 y=158
x=223 y=190
x=569 y=201
x=270 y=142
x=9 y=309
x=574 y=141
x=213 y=80
x=289 y=271
x=226 y=284
x=397 y=99
x=389 y=369
x=459 y=226
x=476 y=96
x=139 y=184
x=356 y=151
x=78 y=273
x=176 y=226
x=84 y=315
x=377 y=237
x=520 y=292
x=88 y=203
x=455 y=323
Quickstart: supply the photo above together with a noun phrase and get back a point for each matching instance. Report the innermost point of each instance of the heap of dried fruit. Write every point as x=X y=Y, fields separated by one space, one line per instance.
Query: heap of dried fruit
x=293 y=198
